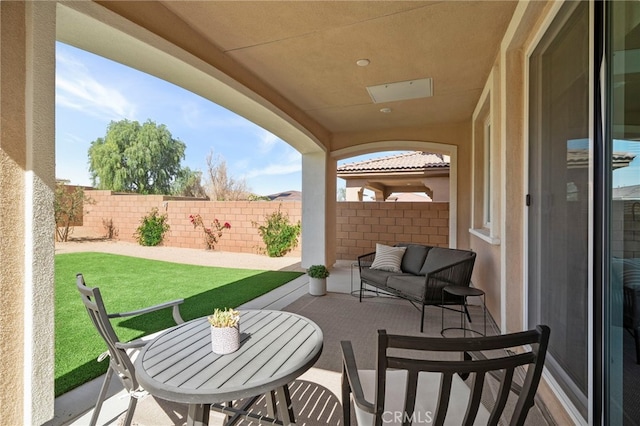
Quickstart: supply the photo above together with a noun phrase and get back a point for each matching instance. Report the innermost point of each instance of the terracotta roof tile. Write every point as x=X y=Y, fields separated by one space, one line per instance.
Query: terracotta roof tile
x=416 y=160
x=578 y=158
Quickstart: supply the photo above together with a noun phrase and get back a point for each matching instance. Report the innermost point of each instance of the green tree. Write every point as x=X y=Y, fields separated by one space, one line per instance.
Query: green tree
x=134 y=157
x=188 y=183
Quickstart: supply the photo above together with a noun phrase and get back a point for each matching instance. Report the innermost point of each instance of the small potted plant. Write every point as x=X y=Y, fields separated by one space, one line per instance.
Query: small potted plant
x=317 y=280
x=225 y=331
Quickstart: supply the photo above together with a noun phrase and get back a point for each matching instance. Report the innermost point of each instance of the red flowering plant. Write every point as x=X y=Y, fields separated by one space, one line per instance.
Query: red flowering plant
x=211 y=234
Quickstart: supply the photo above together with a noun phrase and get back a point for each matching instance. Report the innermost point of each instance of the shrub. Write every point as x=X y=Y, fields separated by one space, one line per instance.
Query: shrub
x=280 y=236
x=211 y=234
x=152 y=228
x=68 y=206
x=110 y=230
x=318 y=271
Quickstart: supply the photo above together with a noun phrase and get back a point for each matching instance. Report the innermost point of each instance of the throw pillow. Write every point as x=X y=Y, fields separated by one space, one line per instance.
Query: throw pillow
x=388 y=258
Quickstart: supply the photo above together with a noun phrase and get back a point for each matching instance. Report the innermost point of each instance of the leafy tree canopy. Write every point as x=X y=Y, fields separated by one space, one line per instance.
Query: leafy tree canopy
x=134 y=157
x=188 y=183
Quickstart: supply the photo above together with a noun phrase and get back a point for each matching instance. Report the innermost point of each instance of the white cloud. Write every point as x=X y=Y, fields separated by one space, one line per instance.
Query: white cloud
x=275 y=169
x=268 y=141
x=242 y=164
x=196 y=117
x=72 y=139
x=77 y=89
x=293 y=155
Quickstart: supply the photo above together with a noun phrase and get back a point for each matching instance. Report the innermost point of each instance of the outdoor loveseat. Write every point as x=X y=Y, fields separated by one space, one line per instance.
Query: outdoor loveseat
x=417 y=273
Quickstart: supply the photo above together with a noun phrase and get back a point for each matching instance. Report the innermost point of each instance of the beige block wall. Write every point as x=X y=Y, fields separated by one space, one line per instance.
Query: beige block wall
x=625 y=229
x=361 y=225
x=126 y=211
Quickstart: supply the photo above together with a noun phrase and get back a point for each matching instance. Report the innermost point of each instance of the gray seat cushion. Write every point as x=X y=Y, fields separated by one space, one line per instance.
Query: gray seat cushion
x=376 y=276
x=439 y=257
x=409 y=285
x=414 y=258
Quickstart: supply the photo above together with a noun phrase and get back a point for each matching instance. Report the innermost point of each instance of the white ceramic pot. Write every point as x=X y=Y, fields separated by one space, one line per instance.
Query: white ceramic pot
x=225 y=340
x=317 y=286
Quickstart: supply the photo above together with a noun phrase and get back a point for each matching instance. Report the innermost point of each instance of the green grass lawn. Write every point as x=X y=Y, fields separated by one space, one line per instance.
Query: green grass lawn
x=129 y=283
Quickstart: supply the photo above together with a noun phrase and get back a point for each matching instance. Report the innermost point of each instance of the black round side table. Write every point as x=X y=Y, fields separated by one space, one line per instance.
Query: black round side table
x=463 y=293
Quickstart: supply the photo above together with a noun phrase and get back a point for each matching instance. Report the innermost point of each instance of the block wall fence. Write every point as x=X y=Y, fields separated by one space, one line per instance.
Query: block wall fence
x=360 y=225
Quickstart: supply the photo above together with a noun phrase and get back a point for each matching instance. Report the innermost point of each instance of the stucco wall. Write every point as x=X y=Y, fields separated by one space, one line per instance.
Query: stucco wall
x=12 y=165
x=27 y=32
x=486 y=275
x=500 y=260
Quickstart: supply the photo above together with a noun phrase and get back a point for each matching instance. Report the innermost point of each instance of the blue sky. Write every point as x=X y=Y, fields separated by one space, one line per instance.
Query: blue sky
x=91 y=91
x=630 y=175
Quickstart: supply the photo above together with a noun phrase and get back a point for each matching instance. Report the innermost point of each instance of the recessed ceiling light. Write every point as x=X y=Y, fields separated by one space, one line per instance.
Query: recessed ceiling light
x=385 y=110
x=363 y=62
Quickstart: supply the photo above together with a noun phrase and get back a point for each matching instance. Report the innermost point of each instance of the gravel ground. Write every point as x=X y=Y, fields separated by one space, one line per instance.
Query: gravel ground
x=183 y=255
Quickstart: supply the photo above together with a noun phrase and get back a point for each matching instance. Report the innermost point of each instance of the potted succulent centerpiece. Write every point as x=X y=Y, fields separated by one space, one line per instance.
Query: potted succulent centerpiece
x=225 y=331
x=317 y=280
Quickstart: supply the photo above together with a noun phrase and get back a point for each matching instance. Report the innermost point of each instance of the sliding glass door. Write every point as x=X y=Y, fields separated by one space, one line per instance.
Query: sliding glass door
x=622 y=315
x=560 y=164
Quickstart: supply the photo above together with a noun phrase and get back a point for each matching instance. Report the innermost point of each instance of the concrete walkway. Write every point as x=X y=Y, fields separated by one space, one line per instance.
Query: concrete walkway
x=76 y=407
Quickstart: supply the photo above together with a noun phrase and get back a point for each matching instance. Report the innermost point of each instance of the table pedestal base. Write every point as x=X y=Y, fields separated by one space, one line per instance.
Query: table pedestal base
x=279 y=408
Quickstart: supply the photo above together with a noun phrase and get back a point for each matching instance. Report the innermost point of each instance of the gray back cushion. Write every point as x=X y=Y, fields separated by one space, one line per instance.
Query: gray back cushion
x=414 y=258
x=439 y=257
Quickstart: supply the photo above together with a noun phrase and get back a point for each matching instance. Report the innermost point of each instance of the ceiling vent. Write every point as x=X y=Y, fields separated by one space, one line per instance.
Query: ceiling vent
x=402 y=90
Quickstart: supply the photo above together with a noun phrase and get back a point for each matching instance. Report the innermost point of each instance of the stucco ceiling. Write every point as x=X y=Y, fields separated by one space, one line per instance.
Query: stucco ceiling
x=303 y=54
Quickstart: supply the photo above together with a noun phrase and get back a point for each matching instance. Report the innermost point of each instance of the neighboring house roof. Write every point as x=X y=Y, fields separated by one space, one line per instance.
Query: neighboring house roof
x=286 y=196
x=579 y=158
x=411 y=161
x=627 y=192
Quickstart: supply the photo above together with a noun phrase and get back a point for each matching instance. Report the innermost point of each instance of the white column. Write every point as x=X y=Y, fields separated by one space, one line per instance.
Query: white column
x=314 y=206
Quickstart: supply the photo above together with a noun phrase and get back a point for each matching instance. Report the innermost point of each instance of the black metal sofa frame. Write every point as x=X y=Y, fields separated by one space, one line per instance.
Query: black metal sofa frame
x=425 y=272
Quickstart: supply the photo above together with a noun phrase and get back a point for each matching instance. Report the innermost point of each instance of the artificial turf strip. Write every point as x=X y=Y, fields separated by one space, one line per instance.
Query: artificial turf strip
x=129 y=283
